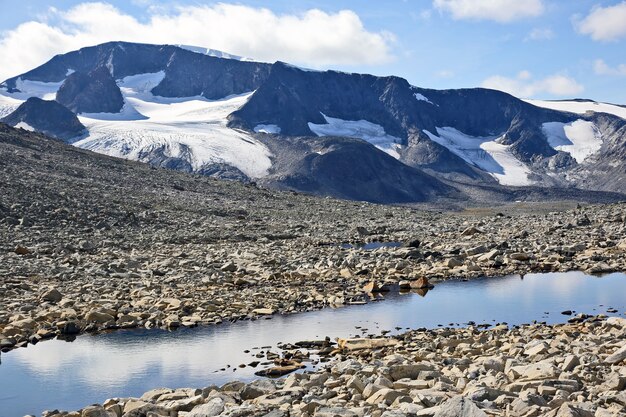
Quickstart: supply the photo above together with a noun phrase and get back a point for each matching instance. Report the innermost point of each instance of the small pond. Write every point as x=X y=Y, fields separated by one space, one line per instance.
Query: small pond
x=69 y=375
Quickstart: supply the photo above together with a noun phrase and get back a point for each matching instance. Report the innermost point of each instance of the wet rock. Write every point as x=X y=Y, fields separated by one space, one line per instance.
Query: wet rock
x=277 y=371
x=371 y=287
x=69 y=328
x=421 y=283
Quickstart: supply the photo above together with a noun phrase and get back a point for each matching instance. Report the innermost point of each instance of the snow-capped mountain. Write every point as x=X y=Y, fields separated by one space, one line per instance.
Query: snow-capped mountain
x=348 y=135
x=459 y=134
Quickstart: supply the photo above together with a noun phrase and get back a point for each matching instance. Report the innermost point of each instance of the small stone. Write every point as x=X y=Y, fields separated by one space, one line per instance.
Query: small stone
x=421 y=283
x=21 y=250
x=471 y=231
x=371 y=287
x=229 y=267
x=52 y=295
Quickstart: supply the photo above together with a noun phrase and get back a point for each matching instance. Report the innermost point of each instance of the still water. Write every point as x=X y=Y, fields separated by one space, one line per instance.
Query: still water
x=70 y=375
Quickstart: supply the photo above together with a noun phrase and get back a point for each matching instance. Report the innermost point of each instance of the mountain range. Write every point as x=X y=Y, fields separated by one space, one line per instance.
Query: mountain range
x=346 y=135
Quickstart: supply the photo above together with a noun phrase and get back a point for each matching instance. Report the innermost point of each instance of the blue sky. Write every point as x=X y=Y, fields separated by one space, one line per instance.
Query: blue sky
x=531 y=48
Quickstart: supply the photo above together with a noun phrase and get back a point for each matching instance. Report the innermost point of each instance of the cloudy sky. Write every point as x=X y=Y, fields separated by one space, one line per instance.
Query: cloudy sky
x=531 y=48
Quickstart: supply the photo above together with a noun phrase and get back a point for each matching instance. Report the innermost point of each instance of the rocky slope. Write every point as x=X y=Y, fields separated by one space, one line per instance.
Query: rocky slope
x=169 y=249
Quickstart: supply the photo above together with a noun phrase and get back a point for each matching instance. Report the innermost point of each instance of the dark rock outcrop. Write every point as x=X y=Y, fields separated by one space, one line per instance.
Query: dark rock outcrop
x=191 y=74
x=47 y=117
x=93 y=92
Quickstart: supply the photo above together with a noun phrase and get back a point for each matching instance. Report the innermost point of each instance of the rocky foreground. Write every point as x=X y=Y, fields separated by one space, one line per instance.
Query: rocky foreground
x=91 y=243
x=569 y=370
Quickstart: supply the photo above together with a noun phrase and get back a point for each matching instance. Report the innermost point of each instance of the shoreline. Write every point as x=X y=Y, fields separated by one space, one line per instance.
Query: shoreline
x=575 y=368
x=33 y=333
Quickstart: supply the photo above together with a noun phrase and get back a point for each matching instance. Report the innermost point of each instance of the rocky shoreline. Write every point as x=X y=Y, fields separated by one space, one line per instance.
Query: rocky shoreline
x=575 y=369
x=143 y=279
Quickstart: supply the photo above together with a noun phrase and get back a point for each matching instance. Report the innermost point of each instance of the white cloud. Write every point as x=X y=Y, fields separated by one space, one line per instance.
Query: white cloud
x=602 y=68
x=314 y=38
x=526 y=87
x=540 y=34
x=502 y=11
x=604 y=23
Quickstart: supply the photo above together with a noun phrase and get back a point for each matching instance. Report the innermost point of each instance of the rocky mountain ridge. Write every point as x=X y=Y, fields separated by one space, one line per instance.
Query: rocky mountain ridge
x=179 y=108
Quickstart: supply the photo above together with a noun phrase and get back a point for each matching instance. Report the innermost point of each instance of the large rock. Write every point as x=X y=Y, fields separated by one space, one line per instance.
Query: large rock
x=618 y=356
x=358 y=344
x=421 y=283
x=334 y=412
x=459 y=406
x=138 y=408
x=97 y=411
x=384 y=396
x=535 y=371
x=52 y=295
x=410 y=371
x=569 y=410
x=100 y=317
x=277 y=371
x=256 y=389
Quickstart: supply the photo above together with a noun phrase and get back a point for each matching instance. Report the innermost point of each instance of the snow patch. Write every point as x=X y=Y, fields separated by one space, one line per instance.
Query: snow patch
x=485 y=153
x=268 y=129
x=140 y=83
x=191 y=128
x=307 y=69
x=581 y=107
x=580 y=138
x=25 y=126
x=128 y=113
x=421 y=97
x=69 y=72
x=8 y=104
x=212 y=52
x=28 y=88
x=359 y=129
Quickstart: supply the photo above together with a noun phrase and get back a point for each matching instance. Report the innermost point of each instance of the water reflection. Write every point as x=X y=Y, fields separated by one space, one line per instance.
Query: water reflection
x=58 y=374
